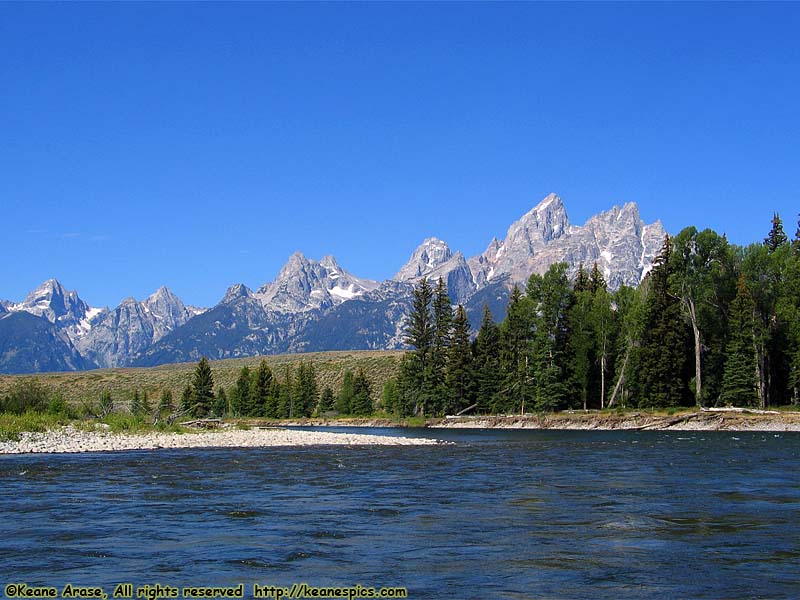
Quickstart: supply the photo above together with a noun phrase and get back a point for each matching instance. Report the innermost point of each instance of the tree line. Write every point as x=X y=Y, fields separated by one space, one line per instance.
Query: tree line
x=711 y=324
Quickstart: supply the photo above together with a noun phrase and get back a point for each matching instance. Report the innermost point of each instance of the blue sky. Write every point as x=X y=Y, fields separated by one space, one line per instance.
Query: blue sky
x=199 y=145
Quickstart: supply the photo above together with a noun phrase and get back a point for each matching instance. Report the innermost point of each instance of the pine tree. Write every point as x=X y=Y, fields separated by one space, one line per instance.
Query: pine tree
x=459 y=365
x=442 y=324
x=344 y=402
x=202 y=389
x=286 y=399
x=307 y=390
x=220 y=402
x=165 y=403
x=776 y=237
x=417 y=381
x=663 y=351
x=581 y=280
x=796 y=240
x=740 y=379
x=389 y=397
x=362 y=395
x=596 y=281
x=187 y=399
x=326 y=401
x=241 y=406
x=259 y=389
x=580 y=346
x=487 y=362
x=515 y=334
x=147 y=407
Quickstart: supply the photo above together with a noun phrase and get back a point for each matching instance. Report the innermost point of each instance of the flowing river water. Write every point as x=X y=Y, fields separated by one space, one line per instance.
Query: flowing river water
x=496 y=514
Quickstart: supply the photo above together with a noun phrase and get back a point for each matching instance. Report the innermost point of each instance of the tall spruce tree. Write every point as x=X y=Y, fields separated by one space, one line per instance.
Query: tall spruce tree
x=202 y=389
x=344 y=402
x=259 y=389
x=515 y=332
x=326 y=401
x=662 y=355
x=417 y=381
x=442 y=325
x=776 y=237
x=166 y=405
x=459 y=376
x=488 y=377
x=740 y=379
x=220 y=407
x=241 y=405
x=362 y=395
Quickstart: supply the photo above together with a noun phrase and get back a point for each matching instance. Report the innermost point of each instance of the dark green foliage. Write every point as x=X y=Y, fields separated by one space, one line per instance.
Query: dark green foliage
x=187 y=400
x=416 y=380
x=147 y=407
x=241 y=400
x=259 y=390
x=202 y=389
x=326 y=401
x=307 y=392
x=442 y=324
x=776 y=237
x=166 y=405
x=664 y=345
x=361 y=404
x=220 y=408
x=740 y=379
x=390 y=398
x=344 y=402
x=459 y=375
x=486 y=365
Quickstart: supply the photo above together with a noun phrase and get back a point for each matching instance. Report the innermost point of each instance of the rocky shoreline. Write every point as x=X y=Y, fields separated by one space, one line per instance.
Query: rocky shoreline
x=702 y=420
x=71 y=440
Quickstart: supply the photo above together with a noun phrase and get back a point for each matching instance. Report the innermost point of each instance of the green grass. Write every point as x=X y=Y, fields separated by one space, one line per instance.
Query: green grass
x=11 y=426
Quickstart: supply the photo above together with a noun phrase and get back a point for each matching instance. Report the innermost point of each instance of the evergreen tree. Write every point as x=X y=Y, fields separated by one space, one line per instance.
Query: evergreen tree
x=344 y=402
x=286 y=397
x=581 y=280
x=165 y=403
x=307 y=389
x=776 y=237
x=220 y=402
x=580 y=346
x=187 y=399
x=259 y=389
x=241 y=405
x=326 y=401
x=202 y=389
x=515 y=334
x=487 y=362
x=740 y=380
x=362 y=395
x=417 y=381
x=459 y=375
x=597 y=282
x=796 y=240
x=389 y=397
x=442 y=324
x=662 y=356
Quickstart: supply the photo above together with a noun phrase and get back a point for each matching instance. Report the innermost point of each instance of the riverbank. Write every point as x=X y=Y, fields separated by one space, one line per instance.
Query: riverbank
x=71 y=440
x=702 y=420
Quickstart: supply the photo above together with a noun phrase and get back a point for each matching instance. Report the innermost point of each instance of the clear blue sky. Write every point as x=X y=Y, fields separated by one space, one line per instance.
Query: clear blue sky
x=199 y=145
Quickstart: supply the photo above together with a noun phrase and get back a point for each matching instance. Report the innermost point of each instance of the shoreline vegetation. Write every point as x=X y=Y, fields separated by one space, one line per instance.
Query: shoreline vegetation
x=63 y=436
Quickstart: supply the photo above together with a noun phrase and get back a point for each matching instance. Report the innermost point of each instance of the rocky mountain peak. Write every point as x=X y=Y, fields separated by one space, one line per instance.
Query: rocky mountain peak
x=305 y=284
x=428 y=256
x=236 y=291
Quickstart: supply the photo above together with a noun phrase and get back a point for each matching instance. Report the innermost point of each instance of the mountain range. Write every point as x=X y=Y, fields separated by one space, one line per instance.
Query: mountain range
x=317 y=305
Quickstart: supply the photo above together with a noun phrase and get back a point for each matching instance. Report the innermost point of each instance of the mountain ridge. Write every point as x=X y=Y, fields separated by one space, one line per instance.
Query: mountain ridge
x=314 y=305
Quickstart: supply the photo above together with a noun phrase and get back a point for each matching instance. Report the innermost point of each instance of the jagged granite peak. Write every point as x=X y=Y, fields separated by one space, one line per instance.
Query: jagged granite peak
x=621 y=244
x=434 y=259
x=62 y=307
x=117 y=336
x=235 y=292
x=305 y=284
x=429 y=255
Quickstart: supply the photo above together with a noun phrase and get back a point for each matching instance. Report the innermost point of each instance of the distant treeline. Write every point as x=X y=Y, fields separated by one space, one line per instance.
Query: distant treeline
x=711 y=324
